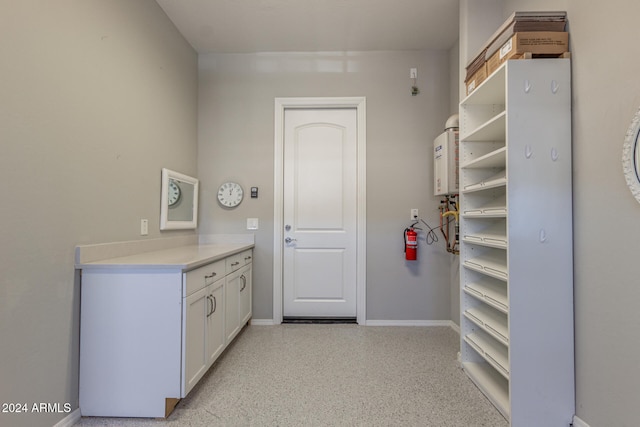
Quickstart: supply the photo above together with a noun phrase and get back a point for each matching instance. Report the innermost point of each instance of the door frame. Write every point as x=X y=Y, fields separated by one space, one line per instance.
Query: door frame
x=282 y=104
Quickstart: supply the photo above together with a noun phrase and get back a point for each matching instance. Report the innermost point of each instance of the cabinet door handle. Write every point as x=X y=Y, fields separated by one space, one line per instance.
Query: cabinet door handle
x=215 y=304
x=244 y=282
x=210 y=311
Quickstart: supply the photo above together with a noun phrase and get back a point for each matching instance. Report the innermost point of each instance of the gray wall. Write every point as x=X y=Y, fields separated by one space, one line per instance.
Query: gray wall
x=95 y=98
x=606 y=66
x=454 y=97
x=236 y=131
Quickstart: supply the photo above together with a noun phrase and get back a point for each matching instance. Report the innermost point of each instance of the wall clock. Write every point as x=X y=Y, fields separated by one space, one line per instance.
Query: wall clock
x=174 y=193
x=230 y=194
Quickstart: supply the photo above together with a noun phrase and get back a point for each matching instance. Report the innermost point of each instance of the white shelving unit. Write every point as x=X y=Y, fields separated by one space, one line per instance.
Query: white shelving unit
x=516 y=269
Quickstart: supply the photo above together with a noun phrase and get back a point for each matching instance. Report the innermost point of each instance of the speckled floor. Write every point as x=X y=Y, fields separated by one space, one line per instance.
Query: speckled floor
x=332 y=375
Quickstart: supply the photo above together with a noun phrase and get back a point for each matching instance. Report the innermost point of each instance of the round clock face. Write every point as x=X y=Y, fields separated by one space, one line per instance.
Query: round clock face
x=174 y=192
x=230 y=194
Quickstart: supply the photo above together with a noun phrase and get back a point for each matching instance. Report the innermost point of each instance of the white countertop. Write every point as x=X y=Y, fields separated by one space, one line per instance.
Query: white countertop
x=182 y=257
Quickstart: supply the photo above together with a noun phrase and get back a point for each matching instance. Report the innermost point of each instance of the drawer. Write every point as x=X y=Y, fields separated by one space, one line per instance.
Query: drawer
x=203 y=276
x=238 y=260
x=247 y=256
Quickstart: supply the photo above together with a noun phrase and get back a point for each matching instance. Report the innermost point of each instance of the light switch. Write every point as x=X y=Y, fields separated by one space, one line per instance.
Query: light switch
x=252 y=223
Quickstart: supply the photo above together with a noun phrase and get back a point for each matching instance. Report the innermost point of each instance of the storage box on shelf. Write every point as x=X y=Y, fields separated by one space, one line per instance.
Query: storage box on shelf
x=529 y=45
x=516 y=241
x=525 y=34
x=476 y=78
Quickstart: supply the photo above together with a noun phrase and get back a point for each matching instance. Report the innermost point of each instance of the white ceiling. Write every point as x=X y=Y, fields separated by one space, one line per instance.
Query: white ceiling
x=243 y=26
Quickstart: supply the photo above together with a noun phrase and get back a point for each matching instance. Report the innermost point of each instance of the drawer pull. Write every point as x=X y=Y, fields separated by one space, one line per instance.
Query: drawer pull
x=213 y=274
x=247 y=258
x=233 y=264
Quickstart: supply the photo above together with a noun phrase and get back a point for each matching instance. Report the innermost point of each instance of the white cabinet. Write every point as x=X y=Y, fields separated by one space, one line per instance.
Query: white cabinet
x=245 y=294
x=215 y=322
x=150 y=328
x=516 y=262
x=203 y=322
x=232 y=306
x=196 y=326
x=238 y=296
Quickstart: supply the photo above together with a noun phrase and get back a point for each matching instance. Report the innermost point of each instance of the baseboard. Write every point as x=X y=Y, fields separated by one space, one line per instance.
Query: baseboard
x=577 y=422
x=70 y=419
x=455 y=327
x=408 y=323
x=262 y=322
x=449 y=323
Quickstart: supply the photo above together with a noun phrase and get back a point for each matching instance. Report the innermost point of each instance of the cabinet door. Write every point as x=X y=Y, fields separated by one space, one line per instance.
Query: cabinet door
x=232 y=305
x=196 y=307
x=215 y=321
x=245 y=294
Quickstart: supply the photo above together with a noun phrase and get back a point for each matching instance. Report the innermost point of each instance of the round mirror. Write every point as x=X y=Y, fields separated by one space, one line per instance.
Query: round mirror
x=631 y=156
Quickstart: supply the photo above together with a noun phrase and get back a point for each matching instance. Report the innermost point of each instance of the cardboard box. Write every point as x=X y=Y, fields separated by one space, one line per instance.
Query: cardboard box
x=477 y=62
x=476 y=78
x=536 y=43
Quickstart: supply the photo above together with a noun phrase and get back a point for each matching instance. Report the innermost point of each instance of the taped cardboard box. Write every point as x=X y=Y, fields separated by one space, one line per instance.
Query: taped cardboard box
x=478 y=62
x=537 y=43
x=476 y=78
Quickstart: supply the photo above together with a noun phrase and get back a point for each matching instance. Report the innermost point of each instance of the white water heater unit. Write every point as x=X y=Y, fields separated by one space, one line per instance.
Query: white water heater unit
x=445 y=159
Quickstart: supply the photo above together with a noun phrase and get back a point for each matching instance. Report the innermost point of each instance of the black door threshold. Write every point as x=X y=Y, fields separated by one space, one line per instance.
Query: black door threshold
x=319 y=320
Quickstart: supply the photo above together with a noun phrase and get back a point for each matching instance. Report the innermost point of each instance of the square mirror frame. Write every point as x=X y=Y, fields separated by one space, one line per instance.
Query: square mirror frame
x=167 y=221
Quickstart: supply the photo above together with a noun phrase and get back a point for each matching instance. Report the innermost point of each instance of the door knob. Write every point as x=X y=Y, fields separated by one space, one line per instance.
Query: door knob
x=289 y=240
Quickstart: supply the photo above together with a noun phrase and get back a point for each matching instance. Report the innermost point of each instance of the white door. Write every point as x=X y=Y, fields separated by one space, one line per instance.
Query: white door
x=320 y=212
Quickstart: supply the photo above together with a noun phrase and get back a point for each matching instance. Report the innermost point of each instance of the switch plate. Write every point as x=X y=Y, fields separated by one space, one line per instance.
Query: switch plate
x=413 y=73
x=414 y=214
x=144 y=227
x=252 y=223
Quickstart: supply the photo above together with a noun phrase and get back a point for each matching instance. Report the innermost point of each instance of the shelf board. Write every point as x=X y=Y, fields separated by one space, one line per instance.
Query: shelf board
x=493 y=237
x=493 y=129
x=494 y=208
x=494 y=159
x=491 y=383
x=481 y=215
x=490 y=241
x=497 y=180
x=491 y=321
x=492 y=351
x=494 y=265
x=490 y=293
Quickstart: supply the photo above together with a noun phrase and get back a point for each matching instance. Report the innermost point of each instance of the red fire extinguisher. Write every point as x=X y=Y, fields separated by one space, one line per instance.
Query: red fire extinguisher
x=410 y=244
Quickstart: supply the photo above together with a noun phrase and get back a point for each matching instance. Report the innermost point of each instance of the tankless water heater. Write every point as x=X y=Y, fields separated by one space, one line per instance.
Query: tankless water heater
x=445 y=160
